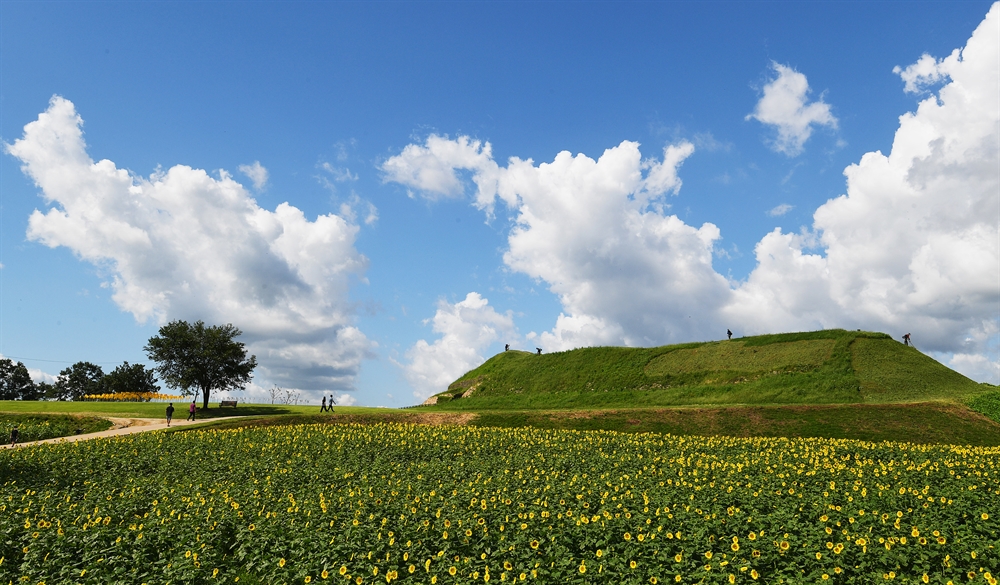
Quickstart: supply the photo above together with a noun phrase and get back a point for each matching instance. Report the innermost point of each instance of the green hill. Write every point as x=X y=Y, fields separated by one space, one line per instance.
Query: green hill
x=814 y=368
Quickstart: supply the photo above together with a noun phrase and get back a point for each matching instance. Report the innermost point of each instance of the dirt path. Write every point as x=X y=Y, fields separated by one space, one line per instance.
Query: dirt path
x=122 y=426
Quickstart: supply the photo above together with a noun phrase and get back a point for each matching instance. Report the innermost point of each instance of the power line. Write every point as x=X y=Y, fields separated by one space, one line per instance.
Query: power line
x=50 y=361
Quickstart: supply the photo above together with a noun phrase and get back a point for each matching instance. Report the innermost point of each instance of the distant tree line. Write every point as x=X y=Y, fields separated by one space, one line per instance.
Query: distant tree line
x=194 y=358
x=74 y=382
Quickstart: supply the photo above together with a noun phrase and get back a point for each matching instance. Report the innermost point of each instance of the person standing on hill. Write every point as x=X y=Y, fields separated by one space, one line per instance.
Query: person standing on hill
x=192 y=409
x=906 y=339
x=729 y=333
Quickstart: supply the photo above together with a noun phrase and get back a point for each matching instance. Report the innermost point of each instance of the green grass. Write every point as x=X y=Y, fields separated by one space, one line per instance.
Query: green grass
x=888 y=371
x=924 y=423
x=38 y=427
x=817 y=367
x=157 y=409
x=987 y=404
x=343 y=415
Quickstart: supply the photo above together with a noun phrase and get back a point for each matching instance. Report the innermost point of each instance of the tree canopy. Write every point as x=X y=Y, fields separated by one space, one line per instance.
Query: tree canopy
x=130 y=378
x=15 y=382
x=196 y=357
x=78 y=380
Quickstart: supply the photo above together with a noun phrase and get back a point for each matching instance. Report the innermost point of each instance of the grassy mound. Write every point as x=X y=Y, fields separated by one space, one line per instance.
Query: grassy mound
x=818 y=367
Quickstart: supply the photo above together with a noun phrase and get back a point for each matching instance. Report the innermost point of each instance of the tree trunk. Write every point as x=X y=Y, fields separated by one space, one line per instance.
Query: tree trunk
x=204 y=393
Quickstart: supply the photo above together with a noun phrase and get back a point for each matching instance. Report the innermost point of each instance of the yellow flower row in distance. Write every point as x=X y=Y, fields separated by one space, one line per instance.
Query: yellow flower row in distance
x=132 y=396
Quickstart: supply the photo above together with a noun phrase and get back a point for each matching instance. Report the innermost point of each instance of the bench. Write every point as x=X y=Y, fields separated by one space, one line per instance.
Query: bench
x=225 y=403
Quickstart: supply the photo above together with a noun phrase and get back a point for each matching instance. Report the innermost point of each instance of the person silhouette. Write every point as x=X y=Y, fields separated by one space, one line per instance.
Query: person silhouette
x=506 y=346
x=539 y=351
x=906 y=339
x=170 y=412
x=729 y=333
x=322 y=407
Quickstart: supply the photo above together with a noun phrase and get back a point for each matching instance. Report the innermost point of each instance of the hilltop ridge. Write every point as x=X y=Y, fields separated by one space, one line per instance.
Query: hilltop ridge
x=818 y=367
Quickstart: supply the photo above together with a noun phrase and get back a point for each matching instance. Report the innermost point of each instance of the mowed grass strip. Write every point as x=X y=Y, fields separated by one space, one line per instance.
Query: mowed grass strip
x=736 y=356
x=158 y=409
x=922 y=423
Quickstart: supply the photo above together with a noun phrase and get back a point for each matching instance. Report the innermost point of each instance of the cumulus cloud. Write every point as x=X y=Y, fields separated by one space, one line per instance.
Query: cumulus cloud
x=432 y=169
x=182 y=244
x=912 y=246
x=467 y=328
x=597 y=232
x=927 y=71
x=256 y=173
x=780 y=210
x=38 y=376
x=784 y=106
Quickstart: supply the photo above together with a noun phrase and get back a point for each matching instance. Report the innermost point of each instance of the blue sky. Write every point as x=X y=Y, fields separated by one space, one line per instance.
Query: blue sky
x=397 y=272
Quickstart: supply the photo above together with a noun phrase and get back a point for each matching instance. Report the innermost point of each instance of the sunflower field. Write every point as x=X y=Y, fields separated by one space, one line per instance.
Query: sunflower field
x=387 y=503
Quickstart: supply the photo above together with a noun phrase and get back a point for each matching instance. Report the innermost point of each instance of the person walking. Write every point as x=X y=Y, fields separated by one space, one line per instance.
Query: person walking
x=170 y=413
x=192 y=409
x=906 y=339
x=13 y=436
x=322 y=407
x=332 y=402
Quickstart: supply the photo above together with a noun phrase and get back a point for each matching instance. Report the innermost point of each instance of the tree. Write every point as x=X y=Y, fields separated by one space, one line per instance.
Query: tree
x=15 y=382
x=46 y=391
x=78 y=380
x=130 y=378
x=275 y=392
x=195 y=357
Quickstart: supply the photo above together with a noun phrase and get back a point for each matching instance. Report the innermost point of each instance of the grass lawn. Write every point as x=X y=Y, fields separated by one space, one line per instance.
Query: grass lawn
x=926 y=423
x=157 y=409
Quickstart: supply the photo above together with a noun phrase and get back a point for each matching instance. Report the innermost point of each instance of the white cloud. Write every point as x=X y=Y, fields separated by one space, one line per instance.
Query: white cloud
x=913 y=245
x=431 y=168
x=40 y=376
x=35 y=375
x=596 y=232
x=345 y=399
x=784 y=107
x=467 y=328
x=975 y=366
x=339 y=174
x=181 y=244
x=256 y=173
x=927 y=71
x=780 y=210
x=347 y=210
